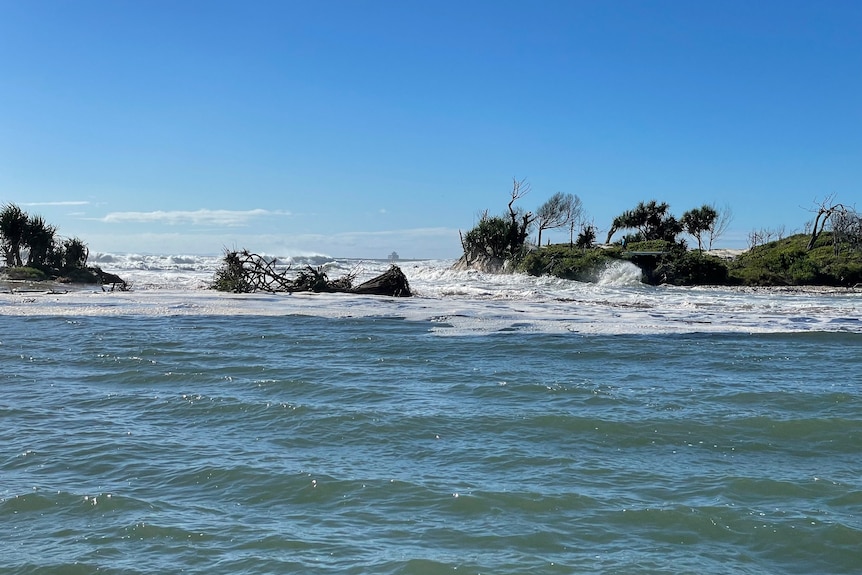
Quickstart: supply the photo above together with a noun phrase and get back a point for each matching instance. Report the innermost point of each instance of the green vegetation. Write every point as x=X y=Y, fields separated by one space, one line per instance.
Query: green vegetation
x=500 y=238
x=789 y=262
x=785 y=262
x=652 y=222
x=26 y=274
x=23 y=233
x=661 y=262
x=13 y=231
x=564 y=261
x=48 y=256
x=494 y=237
x=499 y=241
x=698 y=222
x=830 y=254
x=682 y=267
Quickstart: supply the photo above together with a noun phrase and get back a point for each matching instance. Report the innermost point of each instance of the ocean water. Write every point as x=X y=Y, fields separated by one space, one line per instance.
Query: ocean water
x=492 y=424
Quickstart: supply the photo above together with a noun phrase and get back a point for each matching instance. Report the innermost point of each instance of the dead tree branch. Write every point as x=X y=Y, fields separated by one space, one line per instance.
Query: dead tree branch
x=246 y=272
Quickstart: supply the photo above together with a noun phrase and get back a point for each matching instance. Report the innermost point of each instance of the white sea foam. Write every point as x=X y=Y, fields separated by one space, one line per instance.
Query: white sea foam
x=457 y=302
x=620 y=273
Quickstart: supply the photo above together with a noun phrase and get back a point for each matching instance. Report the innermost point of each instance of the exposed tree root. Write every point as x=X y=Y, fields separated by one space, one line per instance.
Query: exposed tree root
x=246 y=272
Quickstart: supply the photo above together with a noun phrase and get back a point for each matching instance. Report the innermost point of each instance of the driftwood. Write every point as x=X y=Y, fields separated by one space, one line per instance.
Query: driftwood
x=246 y=272
x=95 y=275
x=392 y=282
x=109 y=279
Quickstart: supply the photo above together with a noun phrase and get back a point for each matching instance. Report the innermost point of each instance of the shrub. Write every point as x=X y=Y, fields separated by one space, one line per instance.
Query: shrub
x=490 y=237
x=26 y=273
x=565 y=262
x=587 y=237
x=497 y=238
x=788 y=262
x=692 y=268
x=231 y=275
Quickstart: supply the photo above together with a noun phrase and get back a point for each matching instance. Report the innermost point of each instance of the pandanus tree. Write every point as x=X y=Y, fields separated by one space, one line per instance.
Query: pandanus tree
x=32 y=235
x=13 y=228
x=500 y=237
x=39 y=238
x=698 y=222
x=652 y=221
x=75 y=254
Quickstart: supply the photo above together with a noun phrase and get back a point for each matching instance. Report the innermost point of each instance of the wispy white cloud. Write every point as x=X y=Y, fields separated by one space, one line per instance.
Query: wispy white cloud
x=63 y=203
x=231 y=218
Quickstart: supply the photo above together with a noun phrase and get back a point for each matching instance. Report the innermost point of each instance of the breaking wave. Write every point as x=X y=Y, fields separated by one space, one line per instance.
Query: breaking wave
x=620 y=273
x=458 y=302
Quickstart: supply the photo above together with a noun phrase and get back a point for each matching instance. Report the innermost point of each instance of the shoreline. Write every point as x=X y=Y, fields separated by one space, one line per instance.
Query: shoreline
x=470 y=304
x=53 y=287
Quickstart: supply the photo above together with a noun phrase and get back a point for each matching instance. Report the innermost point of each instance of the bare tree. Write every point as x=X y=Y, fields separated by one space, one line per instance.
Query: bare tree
x=757 y=238
x=764 y=236
x=846 y=227
x=520 y=221
x=500 y=237
x=560 y=210
x=824 y=211
x=520 y=188
x=720 y=224
x=829 y=212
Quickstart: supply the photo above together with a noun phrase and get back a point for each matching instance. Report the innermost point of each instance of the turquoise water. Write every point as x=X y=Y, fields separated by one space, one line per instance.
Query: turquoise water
x=218 y=444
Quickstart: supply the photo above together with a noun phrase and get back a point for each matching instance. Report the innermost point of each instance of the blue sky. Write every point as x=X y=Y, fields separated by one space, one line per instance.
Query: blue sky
x=355 y=128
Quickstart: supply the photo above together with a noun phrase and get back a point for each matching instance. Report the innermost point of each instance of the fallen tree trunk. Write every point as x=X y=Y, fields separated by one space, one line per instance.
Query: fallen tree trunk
x=245 y=272
x=392 y=282
x=113 y=280
x=95 y=275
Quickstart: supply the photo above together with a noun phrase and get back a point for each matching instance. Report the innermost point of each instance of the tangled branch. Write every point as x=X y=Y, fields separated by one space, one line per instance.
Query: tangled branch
x=246 y=272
